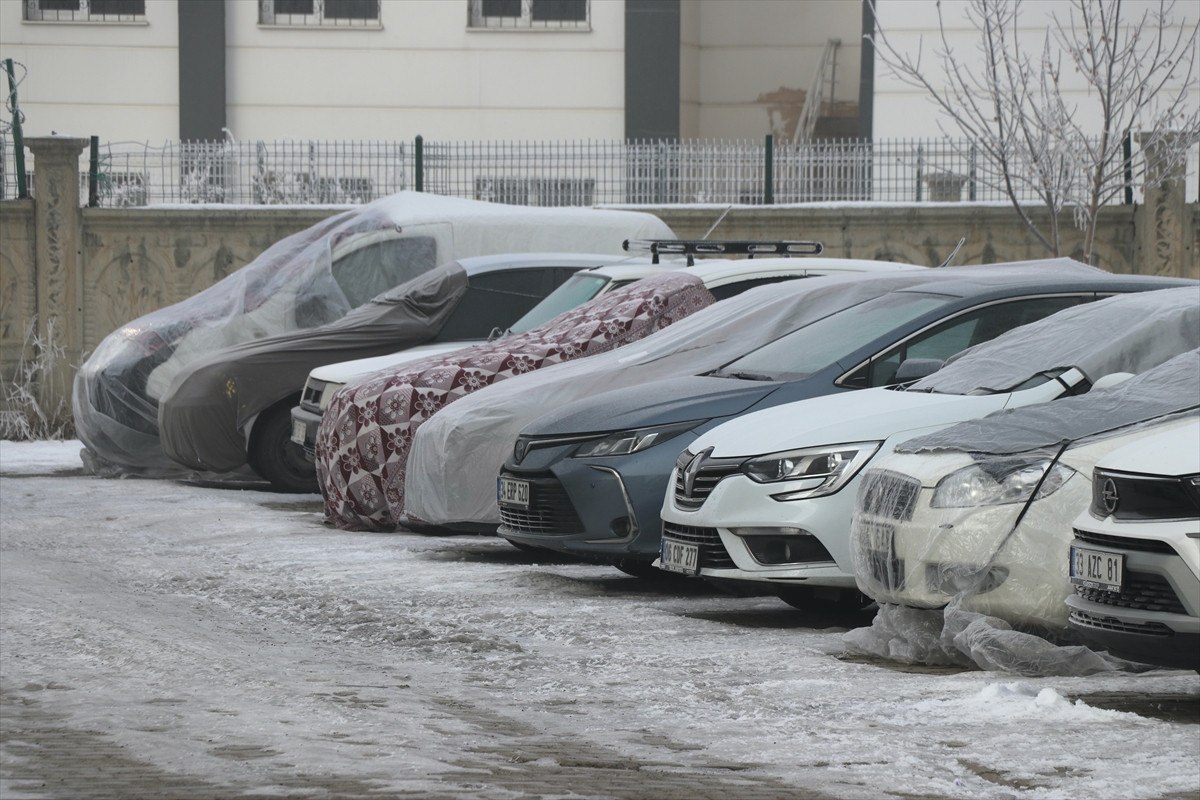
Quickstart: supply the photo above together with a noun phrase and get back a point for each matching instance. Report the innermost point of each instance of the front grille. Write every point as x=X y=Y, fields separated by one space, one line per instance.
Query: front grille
x=550 y=509
x=712 y=550
x=1129 y=496
x=891 y=495
x=710 y=473
x=1087 y=620
x=1143 y=590
x=310 y=398
x=1124 y=543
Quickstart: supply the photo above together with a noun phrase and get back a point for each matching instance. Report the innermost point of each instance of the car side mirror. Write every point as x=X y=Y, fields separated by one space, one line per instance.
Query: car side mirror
x=912 y=369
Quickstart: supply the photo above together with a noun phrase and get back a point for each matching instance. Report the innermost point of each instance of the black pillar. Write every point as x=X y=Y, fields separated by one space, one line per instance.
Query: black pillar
x=652 y=69
x=866 y=79
x=201 y=69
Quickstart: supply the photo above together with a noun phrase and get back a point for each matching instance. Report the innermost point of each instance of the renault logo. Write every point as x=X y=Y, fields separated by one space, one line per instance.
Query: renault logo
x=1108 y=495
x=520 y=449
x=693 y=467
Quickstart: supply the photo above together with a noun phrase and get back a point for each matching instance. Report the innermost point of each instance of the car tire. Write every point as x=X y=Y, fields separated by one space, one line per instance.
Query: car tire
x=275 y=457
x=816 y=597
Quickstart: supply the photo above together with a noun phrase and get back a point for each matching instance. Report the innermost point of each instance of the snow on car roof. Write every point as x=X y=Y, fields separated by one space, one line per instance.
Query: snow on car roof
x=479 y=265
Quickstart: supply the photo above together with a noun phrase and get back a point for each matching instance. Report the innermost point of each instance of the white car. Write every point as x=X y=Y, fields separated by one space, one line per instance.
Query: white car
x=1135 y=560
x=769 y=496
x=722 y=277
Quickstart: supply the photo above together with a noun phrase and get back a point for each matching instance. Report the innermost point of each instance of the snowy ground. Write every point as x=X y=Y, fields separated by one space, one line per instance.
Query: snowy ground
x=159 y=639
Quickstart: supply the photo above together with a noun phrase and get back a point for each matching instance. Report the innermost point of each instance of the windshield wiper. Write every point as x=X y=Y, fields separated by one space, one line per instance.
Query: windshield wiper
x=746 y=376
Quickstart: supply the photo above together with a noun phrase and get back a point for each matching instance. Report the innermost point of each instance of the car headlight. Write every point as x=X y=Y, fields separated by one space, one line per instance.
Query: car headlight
x=632 y=441
x=999 y=483
x=820 y=470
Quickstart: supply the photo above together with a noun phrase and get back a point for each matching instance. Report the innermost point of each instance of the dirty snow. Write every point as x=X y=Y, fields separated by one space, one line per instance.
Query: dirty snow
x=170 y=639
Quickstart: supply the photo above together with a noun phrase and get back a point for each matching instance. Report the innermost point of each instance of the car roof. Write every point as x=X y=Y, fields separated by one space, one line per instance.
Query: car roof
x=714 y=270
x=478 y=265
x=1004 y=279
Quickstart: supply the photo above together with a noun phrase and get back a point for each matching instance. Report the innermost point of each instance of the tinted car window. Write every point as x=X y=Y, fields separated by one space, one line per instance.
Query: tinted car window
x=957 y=334
x=819 y=344
x=377 y=267
x=737 y=287
x=495 y=299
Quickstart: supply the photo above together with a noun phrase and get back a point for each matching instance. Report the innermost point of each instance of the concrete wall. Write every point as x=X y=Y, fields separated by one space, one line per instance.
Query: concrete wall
x=92 y=270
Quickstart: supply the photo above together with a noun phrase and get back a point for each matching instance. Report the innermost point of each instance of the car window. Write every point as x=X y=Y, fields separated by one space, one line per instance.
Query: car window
x=955 y=335
x=377 y=267
x=575 y=291
x=497 y=299
x=734 y=288
x=823 y=342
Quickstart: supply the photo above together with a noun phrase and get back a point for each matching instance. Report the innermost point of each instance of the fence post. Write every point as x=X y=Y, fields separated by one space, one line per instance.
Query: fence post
x=94 y=172
x=1127 y=152
x=419 y=163
x=18 y=137
x=971 y=194
x=920 y=169
x=769 y=170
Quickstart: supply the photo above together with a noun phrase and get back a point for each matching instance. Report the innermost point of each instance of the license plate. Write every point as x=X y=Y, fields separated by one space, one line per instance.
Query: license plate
x=884 y=567
x=680 y=557
x=880 y=537
x=299 y=429
x=511 y=492
x=1097 y=569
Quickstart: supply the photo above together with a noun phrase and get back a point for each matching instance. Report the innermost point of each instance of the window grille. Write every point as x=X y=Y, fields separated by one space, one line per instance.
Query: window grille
x=320 y=13
x=513 y=191
x=85 y=10
x=530 y=14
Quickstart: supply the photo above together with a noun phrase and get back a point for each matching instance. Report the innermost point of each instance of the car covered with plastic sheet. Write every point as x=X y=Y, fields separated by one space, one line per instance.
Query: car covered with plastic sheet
x=234 y=406
x=306 y=280
x=774 y=491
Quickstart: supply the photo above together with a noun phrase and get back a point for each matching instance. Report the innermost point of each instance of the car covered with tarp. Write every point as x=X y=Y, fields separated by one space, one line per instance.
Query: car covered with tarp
x=972 y=525
x=234 y=406
x=306 y=280
x=365 y=434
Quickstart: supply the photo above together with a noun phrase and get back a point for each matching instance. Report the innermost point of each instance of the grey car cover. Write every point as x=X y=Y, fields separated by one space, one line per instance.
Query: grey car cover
x=203 y=411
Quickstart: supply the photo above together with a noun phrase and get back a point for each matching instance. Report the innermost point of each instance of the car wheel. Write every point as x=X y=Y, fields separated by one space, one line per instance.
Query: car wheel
x=275 y=457
x=818 y=597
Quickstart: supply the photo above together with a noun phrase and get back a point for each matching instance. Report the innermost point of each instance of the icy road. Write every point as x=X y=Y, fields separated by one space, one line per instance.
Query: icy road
x=166 y=640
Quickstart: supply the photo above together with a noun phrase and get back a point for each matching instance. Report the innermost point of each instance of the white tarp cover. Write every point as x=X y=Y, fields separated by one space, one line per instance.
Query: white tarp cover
x=456 y=457
x=303 y=281
x=1000 y=564
x=1126 y=333
x=367 y=430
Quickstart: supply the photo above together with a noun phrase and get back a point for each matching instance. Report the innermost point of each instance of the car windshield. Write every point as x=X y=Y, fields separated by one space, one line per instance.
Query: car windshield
x=575 y=291
x=810 y=349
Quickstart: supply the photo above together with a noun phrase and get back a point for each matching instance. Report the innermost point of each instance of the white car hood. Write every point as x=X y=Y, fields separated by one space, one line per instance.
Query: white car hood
x=344 y=371
x=865 y=415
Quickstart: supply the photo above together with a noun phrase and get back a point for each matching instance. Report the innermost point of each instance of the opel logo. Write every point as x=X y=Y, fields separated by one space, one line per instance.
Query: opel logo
x=693 y=467
x=1108 y=495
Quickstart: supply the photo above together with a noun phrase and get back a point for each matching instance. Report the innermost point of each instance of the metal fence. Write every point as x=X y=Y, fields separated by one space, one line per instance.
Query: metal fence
x=563 y=173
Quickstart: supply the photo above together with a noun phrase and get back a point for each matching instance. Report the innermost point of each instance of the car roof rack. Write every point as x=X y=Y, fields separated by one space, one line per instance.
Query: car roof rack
x=707 y=247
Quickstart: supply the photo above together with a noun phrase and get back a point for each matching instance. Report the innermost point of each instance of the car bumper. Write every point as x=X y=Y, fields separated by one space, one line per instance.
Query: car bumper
x=304 y=430
x=602 y=509
x=737 y=502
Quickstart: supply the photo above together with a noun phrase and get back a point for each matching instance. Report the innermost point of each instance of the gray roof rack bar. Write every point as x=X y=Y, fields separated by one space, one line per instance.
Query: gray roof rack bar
x=694 y=247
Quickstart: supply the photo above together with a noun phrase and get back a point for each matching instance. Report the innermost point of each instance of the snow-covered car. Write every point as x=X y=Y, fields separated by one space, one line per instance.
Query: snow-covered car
x=455 y=458
x=580 y=288
x=304 y=281
x=234 y=406
x=596 y=470
x=769 y=496
x=1135 y=560
x=980 y=513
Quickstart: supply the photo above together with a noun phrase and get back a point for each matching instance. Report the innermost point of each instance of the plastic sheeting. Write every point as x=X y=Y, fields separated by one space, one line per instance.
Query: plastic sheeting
x=1127 y=333
x=367 y=430
x=985 y=536
x=456 y=457
x=303 y=281
x=202 y=414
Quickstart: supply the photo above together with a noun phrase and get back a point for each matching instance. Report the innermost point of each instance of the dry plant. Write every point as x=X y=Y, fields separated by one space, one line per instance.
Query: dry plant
x=1011 y=103
x=36 y=374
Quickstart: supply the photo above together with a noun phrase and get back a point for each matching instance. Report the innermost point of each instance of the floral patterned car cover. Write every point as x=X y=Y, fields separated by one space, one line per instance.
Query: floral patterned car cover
x=367 y=431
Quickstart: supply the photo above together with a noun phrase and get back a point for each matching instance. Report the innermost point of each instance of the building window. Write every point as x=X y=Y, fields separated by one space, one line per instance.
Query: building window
x=85 y=10
x=530 y=14
x=320 y=13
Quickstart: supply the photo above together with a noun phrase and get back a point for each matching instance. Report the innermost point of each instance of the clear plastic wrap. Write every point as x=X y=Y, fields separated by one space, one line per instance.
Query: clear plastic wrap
x=456 y=457
x=967 y=551
x=303 y=281
x=367 y=430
